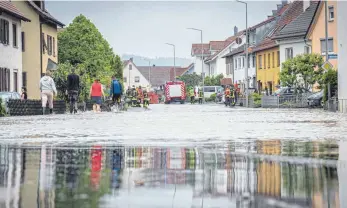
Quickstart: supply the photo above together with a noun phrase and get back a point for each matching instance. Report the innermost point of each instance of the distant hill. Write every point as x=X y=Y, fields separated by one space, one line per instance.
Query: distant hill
x=160 y=61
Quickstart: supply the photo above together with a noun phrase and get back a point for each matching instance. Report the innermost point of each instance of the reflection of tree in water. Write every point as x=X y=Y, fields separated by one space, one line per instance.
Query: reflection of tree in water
x=73 y=180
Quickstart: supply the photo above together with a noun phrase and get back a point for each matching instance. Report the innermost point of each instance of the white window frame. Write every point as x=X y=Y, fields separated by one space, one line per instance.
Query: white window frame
x=331 y=13
x=307 y=50
x=288 y=53
x=137 y=79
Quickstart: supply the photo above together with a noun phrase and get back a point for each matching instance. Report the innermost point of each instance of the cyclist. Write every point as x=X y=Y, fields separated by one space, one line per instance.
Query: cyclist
x=73 y=85
x=116 y=91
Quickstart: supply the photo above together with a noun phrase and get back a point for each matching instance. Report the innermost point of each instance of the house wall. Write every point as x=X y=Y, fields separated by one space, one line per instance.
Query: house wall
x=132 y=74
x=239 y=72
x=298 y=48
x=11 y=57
x=31 y=56
x=318 y=31
x=269 y=74
x=342 y=63
x=53 y=32
x=197 y=66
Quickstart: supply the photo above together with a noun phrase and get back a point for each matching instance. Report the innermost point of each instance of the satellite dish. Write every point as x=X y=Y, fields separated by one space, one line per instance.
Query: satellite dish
x=238 y=40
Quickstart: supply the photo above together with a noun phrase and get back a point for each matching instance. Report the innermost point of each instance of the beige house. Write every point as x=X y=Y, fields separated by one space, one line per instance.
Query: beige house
x=39 y=39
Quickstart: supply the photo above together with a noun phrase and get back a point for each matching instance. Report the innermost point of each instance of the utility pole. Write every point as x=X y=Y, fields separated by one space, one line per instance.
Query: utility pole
x=246 y=48
x=202 y=61
x=326 y=42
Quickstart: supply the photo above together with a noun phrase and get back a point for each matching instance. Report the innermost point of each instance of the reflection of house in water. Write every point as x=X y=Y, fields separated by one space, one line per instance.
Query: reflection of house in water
x=10 y=176
x=138 y=157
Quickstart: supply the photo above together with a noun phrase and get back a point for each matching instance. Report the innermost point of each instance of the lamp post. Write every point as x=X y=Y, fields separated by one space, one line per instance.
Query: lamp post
x=246 y=64
x=202 y=60
x=174 y=51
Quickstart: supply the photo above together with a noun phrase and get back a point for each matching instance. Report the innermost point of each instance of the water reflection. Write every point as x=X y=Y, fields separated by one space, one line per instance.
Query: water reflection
x=232 y=175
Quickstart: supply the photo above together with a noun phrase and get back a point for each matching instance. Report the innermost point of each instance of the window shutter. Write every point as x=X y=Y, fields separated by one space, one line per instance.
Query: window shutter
x=23 y=41
x=1 y=30
x=24 y=79
x=7 y=32
x=53 y=46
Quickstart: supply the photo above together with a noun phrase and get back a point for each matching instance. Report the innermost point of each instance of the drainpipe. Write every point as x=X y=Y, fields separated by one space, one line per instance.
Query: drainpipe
x=41 y=49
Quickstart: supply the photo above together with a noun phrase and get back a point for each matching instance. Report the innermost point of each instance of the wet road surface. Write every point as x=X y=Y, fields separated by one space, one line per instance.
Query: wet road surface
x=175 y=156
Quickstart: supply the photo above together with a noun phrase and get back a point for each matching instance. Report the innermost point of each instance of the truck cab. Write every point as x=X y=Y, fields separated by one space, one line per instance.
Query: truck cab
x=175 y=91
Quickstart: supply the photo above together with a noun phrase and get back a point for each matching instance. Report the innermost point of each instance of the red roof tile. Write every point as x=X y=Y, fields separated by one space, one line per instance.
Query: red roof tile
x=196 y=49
x=8 y=7
x=218 y=45
x=159 y=74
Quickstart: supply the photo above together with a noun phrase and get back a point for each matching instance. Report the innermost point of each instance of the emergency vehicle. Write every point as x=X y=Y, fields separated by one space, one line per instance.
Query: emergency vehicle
x=175 y=91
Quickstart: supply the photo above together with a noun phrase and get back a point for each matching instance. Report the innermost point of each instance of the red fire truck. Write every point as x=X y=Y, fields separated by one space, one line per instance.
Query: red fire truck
x=175 y=91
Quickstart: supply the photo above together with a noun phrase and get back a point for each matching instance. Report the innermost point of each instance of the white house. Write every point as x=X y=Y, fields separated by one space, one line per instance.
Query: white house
x=291 y=38
x=132 y=76
x=10 y=47
x=200 y=52
x=342 y=64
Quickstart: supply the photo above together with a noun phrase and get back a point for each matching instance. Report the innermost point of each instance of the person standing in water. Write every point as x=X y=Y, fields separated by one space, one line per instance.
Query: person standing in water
x=48 y=90
x=96 y=93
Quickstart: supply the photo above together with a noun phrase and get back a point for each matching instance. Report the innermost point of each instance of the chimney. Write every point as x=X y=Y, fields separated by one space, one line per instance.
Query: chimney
x=306 y=4
x=236 y=30
x=284 y=2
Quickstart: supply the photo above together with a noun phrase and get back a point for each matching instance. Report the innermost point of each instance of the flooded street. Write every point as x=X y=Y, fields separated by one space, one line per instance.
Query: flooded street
x=175 y=156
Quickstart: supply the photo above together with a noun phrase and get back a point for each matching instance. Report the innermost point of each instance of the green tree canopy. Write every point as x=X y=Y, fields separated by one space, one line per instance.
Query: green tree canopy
x=191 y=80
x=302 y=72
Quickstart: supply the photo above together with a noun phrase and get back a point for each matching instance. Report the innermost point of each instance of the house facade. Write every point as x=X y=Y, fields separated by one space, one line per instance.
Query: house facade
x=342 y=61
x=39 y=47
x=132 y=76
x=316 y=33
x=10 y=47
x=199 y=53
x=291 y=39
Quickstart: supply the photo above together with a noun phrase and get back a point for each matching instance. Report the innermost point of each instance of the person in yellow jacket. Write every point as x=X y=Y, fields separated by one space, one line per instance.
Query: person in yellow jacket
x=201 y=95
x=191 y=95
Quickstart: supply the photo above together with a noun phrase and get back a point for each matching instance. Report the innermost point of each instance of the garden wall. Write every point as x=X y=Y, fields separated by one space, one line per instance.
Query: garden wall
x=33 y=107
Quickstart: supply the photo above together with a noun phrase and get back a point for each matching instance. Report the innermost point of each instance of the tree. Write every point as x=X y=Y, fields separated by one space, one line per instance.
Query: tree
x=191 y=79
x=213 y=81
x=302 y=72
x=329 y=77
x=82 y=46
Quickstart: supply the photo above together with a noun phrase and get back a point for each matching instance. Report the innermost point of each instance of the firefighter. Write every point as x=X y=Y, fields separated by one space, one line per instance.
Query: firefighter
x=145 y=99
x=233 y=95
x=133 y=96
x=201 y=95
x=227 y=96
x=192 y=97
x=139 y=96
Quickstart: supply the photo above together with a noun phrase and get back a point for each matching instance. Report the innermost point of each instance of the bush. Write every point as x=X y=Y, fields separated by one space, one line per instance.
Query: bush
x=213 y=96
x=2 y=109
x=256 y=98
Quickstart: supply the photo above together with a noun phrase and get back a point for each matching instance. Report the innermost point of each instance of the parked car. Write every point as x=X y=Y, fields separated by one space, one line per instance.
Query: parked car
x=6 y=96
x=315 y=100
x=209 y=90
x=287 y=91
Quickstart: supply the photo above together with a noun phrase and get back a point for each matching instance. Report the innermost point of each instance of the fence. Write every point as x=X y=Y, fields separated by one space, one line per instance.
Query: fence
x=288 y=101
x=33 y=107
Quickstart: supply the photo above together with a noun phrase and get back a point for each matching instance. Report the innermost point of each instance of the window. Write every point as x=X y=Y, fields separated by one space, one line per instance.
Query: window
x=15 y=81
x=124 y=79
x=14 y=35
x=44 y=44
x=24 y=79
x=53 y=43
x=243 y=63
x=4 y=32
x=289 y=53
x=273 y=59
x=307 y=50
x=253 y=60
x=235 y=64
x=260 y=62
x=278 y=59
x=23 y=41
x=264 y=61
x=130 y=67
x=137 y=79
x=209 y=89
x=331 y=13
x=330 y=45
x=269 y=60
x=4 y=79
x=49 y=45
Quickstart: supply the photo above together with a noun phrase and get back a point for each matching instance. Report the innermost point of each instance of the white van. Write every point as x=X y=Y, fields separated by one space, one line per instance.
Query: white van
x=209 y=90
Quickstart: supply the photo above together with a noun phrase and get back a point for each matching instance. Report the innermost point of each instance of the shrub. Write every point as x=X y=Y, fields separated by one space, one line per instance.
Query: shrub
x=256 y=98
x=2 y=109
x=213 y=96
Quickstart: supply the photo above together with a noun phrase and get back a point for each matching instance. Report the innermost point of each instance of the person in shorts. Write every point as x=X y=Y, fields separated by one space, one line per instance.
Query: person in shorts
x=96 y=93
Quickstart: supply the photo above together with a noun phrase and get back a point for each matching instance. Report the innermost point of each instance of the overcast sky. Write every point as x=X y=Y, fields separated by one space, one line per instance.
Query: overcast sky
x=142 y=28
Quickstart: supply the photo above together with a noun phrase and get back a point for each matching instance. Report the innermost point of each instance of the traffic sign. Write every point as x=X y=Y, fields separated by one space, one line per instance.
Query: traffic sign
x=332 y=56
x=327 y=65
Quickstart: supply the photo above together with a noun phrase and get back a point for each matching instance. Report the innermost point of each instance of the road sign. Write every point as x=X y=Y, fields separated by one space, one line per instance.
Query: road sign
x=332 y=56
x=238 y=40
x=327 y=65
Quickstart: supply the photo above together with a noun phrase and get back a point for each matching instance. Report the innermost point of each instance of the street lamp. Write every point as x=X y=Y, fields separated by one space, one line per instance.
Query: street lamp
x=246 y=64
x=174 y=58
x=149 y=69
x=202 y=60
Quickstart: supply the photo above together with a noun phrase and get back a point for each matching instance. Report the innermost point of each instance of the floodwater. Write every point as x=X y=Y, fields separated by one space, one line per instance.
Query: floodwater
x=175 y=156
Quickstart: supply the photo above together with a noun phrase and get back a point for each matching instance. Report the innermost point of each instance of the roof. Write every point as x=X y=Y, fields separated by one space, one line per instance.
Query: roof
x=196 y=49
x=159 y=74
x=270 y=19
x=218 y=45
x=179 y=72
x=291 y=12
x=300 y=25
x=314 y=19
x=45 y=14
x=11 y=9
x=236 y=51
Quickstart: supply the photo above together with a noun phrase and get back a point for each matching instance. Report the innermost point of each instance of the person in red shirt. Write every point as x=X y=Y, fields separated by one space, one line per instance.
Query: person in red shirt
x=96 y=94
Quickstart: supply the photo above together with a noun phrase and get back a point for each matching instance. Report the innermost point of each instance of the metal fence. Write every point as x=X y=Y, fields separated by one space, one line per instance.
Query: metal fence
x=288 y=101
